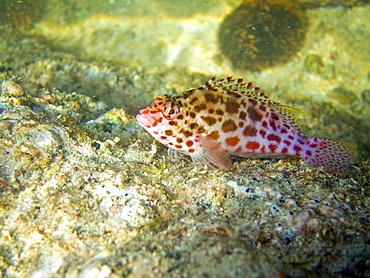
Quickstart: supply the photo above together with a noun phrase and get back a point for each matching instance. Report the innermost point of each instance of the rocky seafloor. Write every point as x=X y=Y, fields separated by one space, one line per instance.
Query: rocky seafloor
x=86 y=192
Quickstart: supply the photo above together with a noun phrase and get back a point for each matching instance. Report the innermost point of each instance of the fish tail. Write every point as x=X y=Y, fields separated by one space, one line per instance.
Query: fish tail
x=334 y=156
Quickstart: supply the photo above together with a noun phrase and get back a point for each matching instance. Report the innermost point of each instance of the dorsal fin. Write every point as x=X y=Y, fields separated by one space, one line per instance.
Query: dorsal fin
x=235 y=85
x=288 y=113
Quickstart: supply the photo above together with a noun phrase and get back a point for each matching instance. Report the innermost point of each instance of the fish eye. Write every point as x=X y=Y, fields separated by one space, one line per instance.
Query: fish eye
x=171 y=112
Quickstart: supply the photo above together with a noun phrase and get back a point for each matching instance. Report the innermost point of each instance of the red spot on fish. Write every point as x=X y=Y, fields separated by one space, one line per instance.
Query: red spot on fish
x=284 y=150
x=249 y=130
x=273 y=125
x=263 y=133
x=298 y=149
x=238 y=149
x=273 y=137
x=286 y=142
x=189 y=143
x=232 y=141
x=272 y=148
x=252 y=145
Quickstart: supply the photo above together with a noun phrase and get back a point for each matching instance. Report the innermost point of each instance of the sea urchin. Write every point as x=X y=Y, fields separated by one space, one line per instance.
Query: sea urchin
x=262 y=33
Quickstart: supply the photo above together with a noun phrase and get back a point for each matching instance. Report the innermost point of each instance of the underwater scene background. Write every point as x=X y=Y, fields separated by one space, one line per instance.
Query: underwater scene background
x=86 y=192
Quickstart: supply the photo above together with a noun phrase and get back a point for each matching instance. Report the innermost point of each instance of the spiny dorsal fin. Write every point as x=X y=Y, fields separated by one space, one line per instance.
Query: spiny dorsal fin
x=288 y=113
x=236 y=85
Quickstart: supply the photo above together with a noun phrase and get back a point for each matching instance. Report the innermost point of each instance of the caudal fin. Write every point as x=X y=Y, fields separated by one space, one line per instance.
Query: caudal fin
x=334 y=156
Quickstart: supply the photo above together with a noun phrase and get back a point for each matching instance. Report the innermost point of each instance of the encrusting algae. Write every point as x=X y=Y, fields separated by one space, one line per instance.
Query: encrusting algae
x=231 y=117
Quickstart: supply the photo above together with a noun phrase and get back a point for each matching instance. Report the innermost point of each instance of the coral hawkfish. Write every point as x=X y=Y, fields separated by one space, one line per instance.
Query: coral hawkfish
x=230 y=117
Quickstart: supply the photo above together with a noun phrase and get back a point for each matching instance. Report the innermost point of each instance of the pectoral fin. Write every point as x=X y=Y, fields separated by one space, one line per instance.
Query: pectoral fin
x=209 y=152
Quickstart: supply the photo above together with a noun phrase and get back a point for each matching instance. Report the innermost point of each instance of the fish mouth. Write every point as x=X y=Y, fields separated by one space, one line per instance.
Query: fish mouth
x=146 y=118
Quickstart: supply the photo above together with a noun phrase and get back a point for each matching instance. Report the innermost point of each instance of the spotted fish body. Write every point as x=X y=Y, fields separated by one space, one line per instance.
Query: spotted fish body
x=230 y=117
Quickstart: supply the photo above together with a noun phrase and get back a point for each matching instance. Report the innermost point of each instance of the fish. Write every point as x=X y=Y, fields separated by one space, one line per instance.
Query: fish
x=232 y=117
